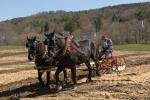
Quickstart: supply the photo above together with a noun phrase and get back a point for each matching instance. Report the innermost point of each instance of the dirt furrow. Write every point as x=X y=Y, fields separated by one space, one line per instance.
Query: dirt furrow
x=12 y=54
x=13 y=63
x=15 y=70
x=133 y=83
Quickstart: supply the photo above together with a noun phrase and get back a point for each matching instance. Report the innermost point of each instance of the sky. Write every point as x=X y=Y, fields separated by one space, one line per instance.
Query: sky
x=20 y=8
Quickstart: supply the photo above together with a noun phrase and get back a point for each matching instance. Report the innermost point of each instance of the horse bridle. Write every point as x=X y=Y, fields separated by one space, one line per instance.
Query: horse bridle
x=57 y=36
x=31 y=47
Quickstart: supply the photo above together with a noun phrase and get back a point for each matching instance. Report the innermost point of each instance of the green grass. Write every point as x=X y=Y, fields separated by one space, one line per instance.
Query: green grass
x=9 y=47
x=127 y=47
x=133 y=47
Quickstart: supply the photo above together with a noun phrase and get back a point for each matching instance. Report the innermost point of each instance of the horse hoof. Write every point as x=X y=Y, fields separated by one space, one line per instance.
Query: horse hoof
x=65 y=82
x=47 y=86
x=89 y=80
x=98 y=74
x=59 y=88
x=42 y=85
x=74 y=87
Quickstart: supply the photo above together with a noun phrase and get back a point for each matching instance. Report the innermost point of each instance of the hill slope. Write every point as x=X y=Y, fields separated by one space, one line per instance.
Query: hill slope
x=122 y=22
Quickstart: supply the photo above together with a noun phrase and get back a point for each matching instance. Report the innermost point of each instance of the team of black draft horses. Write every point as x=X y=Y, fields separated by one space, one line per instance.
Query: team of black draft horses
x=56 y=50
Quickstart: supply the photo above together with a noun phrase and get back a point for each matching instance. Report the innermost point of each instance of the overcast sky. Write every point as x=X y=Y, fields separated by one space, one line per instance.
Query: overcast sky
x=20 y=8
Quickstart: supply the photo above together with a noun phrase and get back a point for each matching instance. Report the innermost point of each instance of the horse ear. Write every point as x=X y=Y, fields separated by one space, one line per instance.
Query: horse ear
x=52 y=34
x=54 y=30
x=28 y=38
x=46 y=34
x=34 y=38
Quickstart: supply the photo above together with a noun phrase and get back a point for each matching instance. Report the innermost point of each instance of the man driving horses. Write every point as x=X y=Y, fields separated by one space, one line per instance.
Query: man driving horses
x=106 y=49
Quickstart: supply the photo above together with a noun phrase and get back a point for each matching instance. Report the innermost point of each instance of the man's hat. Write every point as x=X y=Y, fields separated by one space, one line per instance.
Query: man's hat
x=104 y=36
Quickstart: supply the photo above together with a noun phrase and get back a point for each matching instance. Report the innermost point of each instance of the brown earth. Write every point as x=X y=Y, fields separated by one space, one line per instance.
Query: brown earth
x=19 y=80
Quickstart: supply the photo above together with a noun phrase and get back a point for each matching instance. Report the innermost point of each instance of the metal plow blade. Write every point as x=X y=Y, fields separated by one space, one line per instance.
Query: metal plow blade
x=119 y=68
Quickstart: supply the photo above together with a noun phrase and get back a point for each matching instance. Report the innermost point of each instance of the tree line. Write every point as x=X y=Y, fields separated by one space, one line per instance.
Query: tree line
x=124 y=23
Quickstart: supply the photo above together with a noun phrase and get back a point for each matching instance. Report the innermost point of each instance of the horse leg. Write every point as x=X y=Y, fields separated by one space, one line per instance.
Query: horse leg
x=90 y=70
x=40 y=78
x=48 y=79
x=65 y=75
x=73 y=75
x=59 y=69
x=29 y=58
x=32 y=55
x=95 y=58
x=57 y=74
x=97 y=67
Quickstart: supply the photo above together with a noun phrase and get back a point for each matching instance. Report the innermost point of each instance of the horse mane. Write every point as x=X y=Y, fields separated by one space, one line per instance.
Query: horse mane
x=61 y=34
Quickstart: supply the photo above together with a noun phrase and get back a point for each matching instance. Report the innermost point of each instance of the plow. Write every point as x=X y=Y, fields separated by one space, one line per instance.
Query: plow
x=112 y=64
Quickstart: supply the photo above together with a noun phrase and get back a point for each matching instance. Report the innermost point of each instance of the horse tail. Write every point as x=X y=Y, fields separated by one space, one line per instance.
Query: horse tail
x=93 y=50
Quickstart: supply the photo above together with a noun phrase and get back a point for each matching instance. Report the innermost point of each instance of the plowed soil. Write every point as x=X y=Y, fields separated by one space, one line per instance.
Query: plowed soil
x=18 y=80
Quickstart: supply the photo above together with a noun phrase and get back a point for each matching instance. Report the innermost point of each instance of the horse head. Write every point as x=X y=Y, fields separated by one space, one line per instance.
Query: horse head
x=56 y=43
x=39 y=49
x=30 y=44
x=41 y=57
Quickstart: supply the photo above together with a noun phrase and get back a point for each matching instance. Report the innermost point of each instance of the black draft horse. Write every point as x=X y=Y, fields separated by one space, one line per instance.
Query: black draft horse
x=70 y=60
x=44 y=63
x=30 y=44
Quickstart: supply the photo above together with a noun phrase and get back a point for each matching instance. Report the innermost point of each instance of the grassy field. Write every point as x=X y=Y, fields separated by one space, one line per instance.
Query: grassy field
x=127 y=47
x=133 y=47
x=8 y=47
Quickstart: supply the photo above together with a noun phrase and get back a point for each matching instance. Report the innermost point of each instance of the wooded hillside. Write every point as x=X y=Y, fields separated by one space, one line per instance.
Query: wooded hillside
x=128 y=23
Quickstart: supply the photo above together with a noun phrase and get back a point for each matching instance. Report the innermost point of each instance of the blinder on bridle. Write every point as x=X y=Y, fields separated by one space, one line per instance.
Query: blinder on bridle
x=30 y=44
x=50 y=42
